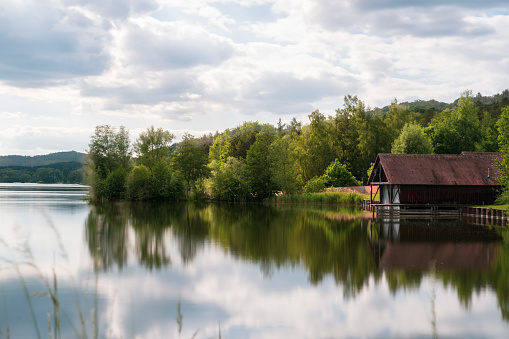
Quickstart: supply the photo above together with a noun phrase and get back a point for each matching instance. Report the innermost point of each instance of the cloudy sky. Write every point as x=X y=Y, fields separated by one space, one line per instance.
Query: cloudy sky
x=199 y=66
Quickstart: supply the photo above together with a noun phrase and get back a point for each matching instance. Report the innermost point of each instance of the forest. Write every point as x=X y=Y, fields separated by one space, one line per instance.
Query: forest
x=61 y=167
x=256 y=161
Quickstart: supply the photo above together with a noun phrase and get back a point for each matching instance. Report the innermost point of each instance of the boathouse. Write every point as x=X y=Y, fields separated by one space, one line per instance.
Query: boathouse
x=435 y=179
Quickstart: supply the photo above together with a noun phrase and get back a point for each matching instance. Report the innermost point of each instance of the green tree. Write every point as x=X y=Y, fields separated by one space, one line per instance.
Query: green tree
x=191 y=161
x=319 y=150
x=457 y=130
x=258 y=171
x=139 y=183
x=346 y=141
x=489 y=135
x=109 y=152
x=48 y=175
x=228 y=181
x=412 y=140
x=336 y=175
x=221 y=149
x=166 y=185
x=241 y=143
x=374 y=138
x=113 y=187
x=315 y=185
x=283 y=171
x=153 y=146
x=397 y=117
x=503 y=166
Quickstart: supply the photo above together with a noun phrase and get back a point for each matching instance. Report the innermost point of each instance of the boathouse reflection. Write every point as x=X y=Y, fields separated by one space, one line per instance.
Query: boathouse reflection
x=419 y=244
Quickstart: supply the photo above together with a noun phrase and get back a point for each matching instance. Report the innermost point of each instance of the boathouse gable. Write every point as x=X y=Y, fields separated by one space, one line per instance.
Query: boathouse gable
x=468 y=178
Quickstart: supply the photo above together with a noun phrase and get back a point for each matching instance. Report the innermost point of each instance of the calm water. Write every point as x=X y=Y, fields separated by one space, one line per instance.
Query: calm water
x=242 y=271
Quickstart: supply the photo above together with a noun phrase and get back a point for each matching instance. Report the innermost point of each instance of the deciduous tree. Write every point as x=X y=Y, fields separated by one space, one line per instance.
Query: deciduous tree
x=191 y=160
x=152 y=146
x=412 y=140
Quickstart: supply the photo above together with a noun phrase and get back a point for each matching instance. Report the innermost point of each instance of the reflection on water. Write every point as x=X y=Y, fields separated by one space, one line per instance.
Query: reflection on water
x=324 y=240
x=252 y=270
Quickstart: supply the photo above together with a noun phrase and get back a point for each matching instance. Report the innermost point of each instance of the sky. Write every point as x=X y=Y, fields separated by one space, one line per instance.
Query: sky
x=201 y=66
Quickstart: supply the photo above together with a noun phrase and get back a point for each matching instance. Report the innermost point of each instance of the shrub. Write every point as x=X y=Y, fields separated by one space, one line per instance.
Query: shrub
x=139 y=183
x=314 y=185
x=337 y=175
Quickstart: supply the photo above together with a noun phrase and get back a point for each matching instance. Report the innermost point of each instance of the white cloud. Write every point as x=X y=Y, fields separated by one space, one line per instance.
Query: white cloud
x=12 y=115
x=42 y=43
x=212 y=64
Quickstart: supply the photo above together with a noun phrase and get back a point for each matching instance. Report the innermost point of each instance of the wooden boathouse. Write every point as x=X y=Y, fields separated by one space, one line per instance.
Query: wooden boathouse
x=433 y=181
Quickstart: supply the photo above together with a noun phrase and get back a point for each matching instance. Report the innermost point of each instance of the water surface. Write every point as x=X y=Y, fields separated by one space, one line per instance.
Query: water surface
x=173 y=270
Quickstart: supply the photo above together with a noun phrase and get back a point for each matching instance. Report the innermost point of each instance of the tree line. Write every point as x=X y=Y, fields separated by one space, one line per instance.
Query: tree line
x=255 y=161
x=66 y=173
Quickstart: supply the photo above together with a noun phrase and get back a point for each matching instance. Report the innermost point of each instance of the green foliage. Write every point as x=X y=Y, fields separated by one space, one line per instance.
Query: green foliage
x=47 y=175
x=412 y=140
x=282 y=165
x=108 y=162
x=109 y=150
x=11 y=175
x=374 y=138
x=503 y=166
x=314 y=185
x=220 y=149
x=336 y=175
x=40 y=160
x=346 y=134
x=323 y=198
x=139 y=183
x=457 y=130
x=113 y=187
x=319 y=149
x=489 y=135
x=165 y=184
x=191 y=160
x=152 y=146
x=228 y=180
x=241 y=143
x=398 y=117
x=258 y=171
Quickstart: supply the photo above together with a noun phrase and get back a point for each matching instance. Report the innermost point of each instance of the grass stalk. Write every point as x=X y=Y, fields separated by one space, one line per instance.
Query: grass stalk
x=27 y=295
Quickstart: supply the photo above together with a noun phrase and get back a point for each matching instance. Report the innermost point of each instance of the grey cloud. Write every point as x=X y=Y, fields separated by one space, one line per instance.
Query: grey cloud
x=42 y=44
x=285 y=86
x=174 y=49
x=170 y=89
x=284 y=92
x=417 y=18
x=391 y=4
x=117 y=9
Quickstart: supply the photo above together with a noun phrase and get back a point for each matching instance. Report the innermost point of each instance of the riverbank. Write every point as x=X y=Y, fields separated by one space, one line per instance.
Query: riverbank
x=321 y=198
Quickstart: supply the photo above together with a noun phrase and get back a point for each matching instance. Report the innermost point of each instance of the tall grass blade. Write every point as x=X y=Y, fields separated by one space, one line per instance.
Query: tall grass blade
x=29 y=302
x=50 y=336
x=179 y=317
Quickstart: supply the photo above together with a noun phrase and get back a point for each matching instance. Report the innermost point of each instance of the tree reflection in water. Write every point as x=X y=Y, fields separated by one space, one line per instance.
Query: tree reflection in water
x=325 y=240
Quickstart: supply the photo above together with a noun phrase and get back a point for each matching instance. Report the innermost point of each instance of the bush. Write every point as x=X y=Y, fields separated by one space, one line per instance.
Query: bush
x=114 y=186
x=139 y=183
x=165 y=184
x=314 y=185
x=336 y=175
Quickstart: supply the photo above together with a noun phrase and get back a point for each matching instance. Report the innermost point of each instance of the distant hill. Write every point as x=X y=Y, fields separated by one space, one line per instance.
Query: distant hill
x=40 y=160
x=423 y=105
x=487 y=102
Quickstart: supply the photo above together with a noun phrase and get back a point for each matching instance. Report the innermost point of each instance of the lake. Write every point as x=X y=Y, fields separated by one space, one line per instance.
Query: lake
x=208 y=270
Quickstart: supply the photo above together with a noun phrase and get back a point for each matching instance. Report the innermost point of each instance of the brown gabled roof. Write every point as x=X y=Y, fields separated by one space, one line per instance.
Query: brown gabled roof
x=466 y=169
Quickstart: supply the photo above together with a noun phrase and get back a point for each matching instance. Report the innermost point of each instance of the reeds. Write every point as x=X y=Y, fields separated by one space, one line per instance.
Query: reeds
x=322 y=198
